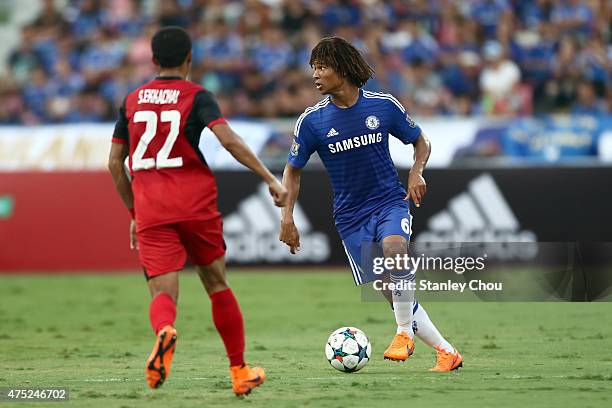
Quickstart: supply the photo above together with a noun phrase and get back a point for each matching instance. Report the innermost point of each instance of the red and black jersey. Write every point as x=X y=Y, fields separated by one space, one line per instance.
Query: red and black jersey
x=162 y=122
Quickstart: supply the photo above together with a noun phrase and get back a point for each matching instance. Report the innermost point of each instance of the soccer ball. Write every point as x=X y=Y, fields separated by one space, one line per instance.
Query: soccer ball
x=348 y=349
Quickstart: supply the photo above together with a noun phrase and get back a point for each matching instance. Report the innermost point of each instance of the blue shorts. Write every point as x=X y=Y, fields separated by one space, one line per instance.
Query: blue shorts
x=391 y=220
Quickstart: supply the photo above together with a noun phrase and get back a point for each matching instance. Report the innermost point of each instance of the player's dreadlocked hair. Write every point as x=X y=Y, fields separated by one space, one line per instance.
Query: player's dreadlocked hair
x=346 y=60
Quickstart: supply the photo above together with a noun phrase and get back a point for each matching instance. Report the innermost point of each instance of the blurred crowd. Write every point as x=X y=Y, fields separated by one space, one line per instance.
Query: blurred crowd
x=439 y=57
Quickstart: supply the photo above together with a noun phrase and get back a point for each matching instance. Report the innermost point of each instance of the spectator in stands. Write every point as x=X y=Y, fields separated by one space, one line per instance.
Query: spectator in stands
x=127 y=17
x=64 y=48
x=295 y=17
x=89 y=16
x=123 y=81
x=305 y=42
x=220 y=53
x=560 y=91
x=340 y=12
x=573 y=17
x=533 y=13
x=449 y=28
x=488 y=13
x=425 y=94
x=13 y=107
x=102 y=57
x=387 y=78
x=171 y=14
x=88 y=106
x=587 y=102
x=256 y=49
x=294 y=92
x=36 y=93
x=499 y=81
x=66 y=80
x=139 y=55
x=49 y=19
x=271 y=55
x=254 y=18
x=595 y=64
x=420 y=45
x=535 y=54
x=461 y=78
x=426 y=12
x=24 y=59
x=253 y=89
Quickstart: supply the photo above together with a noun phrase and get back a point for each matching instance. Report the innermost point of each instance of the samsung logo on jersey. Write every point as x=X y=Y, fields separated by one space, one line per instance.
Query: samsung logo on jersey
x=353 y=142
x=158 y=96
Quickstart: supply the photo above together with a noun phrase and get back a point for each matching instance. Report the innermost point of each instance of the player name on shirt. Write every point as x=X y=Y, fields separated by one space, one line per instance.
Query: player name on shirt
x=353 y=142
x=158 y=96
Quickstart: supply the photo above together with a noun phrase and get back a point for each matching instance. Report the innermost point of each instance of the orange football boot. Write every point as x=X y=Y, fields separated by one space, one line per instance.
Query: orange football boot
x=400 y=348
x=158 y=364
x=245 y=378
x=446 y=361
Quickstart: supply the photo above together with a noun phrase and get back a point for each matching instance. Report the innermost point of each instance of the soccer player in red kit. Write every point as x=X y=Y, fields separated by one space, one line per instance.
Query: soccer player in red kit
x=173 y=200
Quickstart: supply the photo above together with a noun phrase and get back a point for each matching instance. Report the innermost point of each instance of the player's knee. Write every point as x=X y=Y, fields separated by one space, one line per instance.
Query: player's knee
x=213 y=279
x=167 y=283
x=394 y=246
x=214 y=285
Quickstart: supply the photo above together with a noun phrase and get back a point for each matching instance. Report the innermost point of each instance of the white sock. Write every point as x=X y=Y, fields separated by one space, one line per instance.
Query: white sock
x=427 y=331
x=402 y=308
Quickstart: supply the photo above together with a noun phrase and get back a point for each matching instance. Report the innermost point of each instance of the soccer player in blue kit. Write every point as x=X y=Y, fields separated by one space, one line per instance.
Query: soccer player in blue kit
x=350 y=129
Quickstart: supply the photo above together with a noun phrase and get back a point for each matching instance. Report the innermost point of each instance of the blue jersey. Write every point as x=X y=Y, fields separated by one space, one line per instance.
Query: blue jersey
x=353 y=144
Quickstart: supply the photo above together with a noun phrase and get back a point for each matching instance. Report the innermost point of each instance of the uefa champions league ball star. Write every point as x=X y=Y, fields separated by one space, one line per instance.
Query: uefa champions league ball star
x=348 y=349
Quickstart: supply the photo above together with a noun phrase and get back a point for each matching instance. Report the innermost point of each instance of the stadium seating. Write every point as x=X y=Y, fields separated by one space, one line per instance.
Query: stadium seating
x=77 y=59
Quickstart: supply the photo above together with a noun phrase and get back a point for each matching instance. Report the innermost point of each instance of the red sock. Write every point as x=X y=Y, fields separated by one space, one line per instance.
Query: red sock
x=228 y=321
x=162 y=312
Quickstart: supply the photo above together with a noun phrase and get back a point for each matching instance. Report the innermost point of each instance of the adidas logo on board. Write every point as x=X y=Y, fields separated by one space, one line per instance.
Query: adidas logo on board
x=481 y=214
x=251 y=233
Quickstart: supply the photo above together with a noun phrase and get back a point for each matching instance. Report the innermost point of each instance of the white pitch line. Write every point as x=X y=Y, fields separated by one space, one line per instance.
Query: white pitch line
x=347 y=377
x=341 y=378
x=104 y=380
x=134 y=379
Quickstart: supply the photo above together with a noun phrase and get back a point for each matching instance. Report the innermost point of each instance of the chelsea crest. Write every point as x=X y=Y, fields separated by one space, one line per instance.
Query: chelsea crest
x=372 y=122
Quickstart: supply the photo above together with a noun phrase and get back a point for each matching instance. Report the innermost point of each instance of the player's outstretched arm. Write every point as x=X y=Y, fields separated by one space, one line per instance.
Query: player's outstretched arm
x=417 y=188
x=288 y=231
x=241 y=152
x=118 y=153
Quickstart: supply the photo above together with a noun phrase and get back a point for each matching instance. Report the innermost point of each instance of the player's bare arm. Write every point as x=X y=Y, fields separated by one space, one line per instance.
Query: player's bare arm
x=118 y=153
x=234 y=144
x=417 y=188
x=288 y=231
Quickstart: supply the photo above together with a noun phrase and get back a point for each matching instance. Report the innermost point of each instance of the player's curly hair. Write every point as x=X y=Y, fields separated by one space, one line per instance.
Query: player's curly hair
x=344 y=58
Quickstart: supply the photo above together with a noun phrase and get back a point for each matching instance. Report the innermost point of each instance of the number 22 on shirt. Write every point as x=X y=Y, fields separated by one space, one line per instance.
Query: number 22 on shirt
x=161 y=161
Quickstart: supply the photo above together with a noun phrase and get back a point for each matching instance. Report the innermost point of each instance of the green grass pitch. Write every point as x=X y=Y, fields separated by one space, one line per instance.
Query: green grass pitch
x=90 y=333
